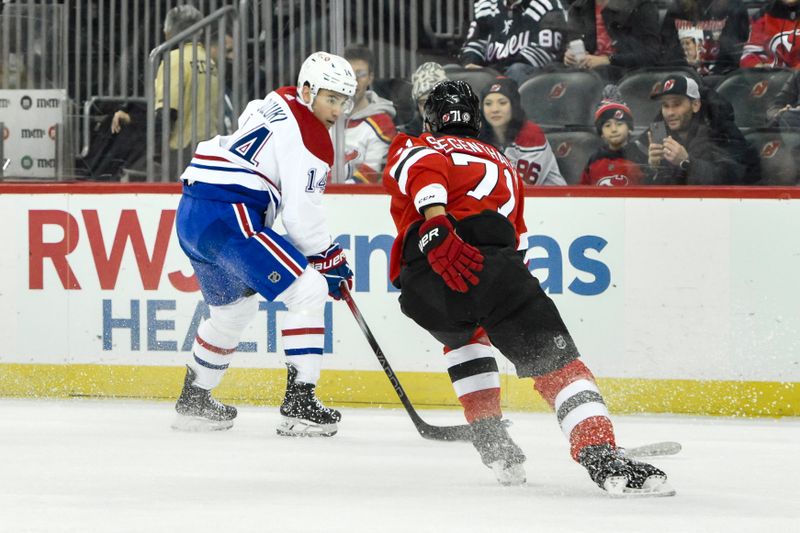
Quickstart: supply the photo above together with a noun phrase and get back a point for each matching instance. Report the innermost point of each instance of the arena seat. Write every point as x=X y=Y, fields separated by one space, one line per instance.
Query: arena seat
x=779 y=153
x=564 y=98
x=572 y=149
x=636 y=88
x=478 y=78
x=750 y=92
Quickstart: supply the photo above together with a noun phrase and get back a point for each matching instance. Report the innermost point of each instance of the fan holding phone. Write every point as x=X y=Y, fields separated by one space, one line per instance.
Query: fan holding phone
x=690 y=147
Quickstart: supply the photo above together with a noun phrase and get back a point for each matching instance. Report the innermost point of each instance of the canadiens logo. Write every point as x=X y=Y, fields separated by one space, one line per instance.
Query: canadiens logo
x=759 y=89
x=558 y=90
x=770 y=149
x=564 y=149
x=669 y=84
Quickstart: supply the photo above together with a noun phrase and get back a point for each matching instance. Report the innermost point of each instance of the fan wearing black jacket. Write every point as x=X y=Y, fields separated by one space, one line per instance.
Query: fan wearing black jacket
x=703 y=146
x=627 y=40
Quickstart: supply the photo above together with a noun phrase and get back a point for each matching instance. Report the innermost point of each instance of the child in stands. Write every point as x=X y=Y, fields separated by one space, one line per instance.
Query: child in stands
x=618 y=162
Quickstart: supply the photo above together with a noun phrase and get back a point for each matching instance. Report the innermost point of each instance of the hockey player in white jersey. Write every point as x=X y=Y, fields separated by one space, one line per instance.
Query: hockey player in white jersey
x=276 y=163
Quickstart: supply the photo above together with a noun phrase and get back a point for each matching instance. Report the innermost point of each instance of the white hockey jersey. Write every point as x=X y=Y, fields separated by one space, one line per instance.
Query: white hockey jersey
x=278 y=161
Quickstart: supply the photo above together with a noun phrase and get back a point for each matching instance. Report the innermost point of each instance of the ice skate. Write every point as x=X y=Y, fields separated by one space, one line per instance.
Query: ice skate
x=498 y=451
x=198 y=411
x=621 y=476
x=302 y=414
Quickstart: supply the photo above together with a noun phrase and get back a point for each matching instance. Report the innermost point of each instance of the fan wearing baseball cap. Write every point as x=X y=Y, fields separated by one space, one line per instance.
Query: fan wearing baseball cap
x=694 y=152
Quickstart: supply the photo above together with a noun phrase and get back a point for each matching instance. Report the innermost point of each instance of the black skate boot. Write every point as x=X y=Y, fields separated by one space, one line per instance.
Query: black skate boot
x=498 y=451
x=621 y=476
x=198 y=411
x=302 y=414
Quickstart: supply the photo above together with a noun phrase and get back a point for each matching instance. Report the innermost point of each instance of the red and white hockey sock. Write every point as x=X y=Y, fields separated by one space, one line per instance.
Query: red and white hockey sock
x=217 y=339
x=582 y=414
x=303 y=336
x=476 y=380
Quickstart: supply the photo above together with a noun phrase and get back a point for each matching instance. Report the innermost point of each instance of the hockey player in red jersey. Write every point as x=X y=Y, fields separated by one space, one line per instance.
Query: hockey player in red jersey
x=458 y=206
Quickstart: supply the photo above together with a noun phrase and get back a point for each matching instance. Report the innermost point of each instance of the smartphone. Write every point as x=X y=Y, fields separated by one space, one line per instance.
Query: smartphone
x=658 y=130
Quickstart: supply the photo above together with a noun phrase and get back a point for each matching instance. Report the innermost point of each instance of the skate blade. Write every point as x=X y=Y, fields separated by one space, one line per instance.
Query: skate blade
x=197 y=424
x=297 y=427
x=653 y=487
x=508 y=476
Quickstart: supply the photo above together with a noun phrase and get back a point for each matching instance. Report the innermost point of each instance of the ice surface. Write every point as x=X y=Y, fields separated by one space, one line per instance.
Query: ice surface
x=116 y=466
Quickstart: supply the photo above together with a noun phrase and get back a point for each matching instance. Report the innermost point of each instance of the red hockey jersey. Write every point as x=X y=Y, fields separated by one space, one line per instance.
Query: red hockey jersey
x=774 y=39
x=465 y=175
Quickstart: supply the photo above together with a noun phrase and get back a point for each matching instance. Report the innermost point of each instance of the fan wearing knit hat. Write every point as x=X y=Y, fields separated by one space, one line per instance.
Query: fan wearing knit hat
x=423 y=81
x=617 y=162
x=506 y=126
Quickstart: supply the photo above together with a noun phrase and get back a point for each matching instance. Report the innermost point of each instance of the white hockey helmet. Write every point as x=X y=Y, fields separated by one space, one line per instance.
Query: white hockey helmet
x=322 y=70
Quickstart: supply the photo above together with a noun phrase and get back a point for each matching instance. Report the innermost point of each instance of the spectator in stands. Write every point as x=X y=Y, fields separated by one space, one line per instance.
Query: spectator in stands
x=370 y=126
x=784 y=112
x=181 y=90
x=774 y=37
x=700 y=148
x=618 y=35
x=423 y=80
x=523 y=142
x=515 y=37
x=706 y=35
x=618 y=162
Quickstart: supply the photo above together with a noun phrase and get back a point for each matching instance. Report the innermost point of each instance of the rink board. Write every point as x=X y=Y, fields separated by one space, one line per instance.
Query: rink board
x=678 y=304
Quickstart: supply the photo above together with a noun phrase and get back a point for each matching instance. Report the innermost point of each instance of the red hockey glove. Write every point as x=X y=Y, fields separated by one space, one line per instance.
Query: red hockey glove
x=449 y=256
x=332 y=264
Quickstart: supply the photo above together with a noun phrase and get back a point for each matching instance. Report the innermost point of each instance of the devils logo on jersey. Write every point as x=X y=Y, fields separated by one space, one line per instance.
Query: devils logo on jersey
x=618 y=180
x=782 y=46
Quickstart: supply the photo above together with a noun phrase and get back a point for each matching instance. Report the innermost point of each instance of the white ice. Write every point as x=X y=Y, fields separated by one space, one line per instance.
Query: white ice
x=116 y=466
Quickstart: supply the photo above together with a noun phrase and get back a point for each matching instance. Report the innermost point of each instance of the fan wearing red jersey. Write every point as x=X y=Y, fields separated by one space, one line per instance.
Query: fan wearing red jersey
x=457 y=204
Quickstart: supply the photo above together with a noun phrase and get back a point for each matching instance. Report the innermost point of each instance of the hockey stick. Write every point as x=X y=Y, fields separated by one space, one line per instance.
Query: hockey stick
x=463 y=432
x=448 y=433
x=654 y=449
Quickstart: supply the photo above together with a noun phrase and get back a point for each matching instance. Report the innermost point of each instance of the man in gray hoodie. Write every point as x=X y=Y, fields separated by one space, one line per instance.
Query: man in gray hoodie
x=370 y=126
